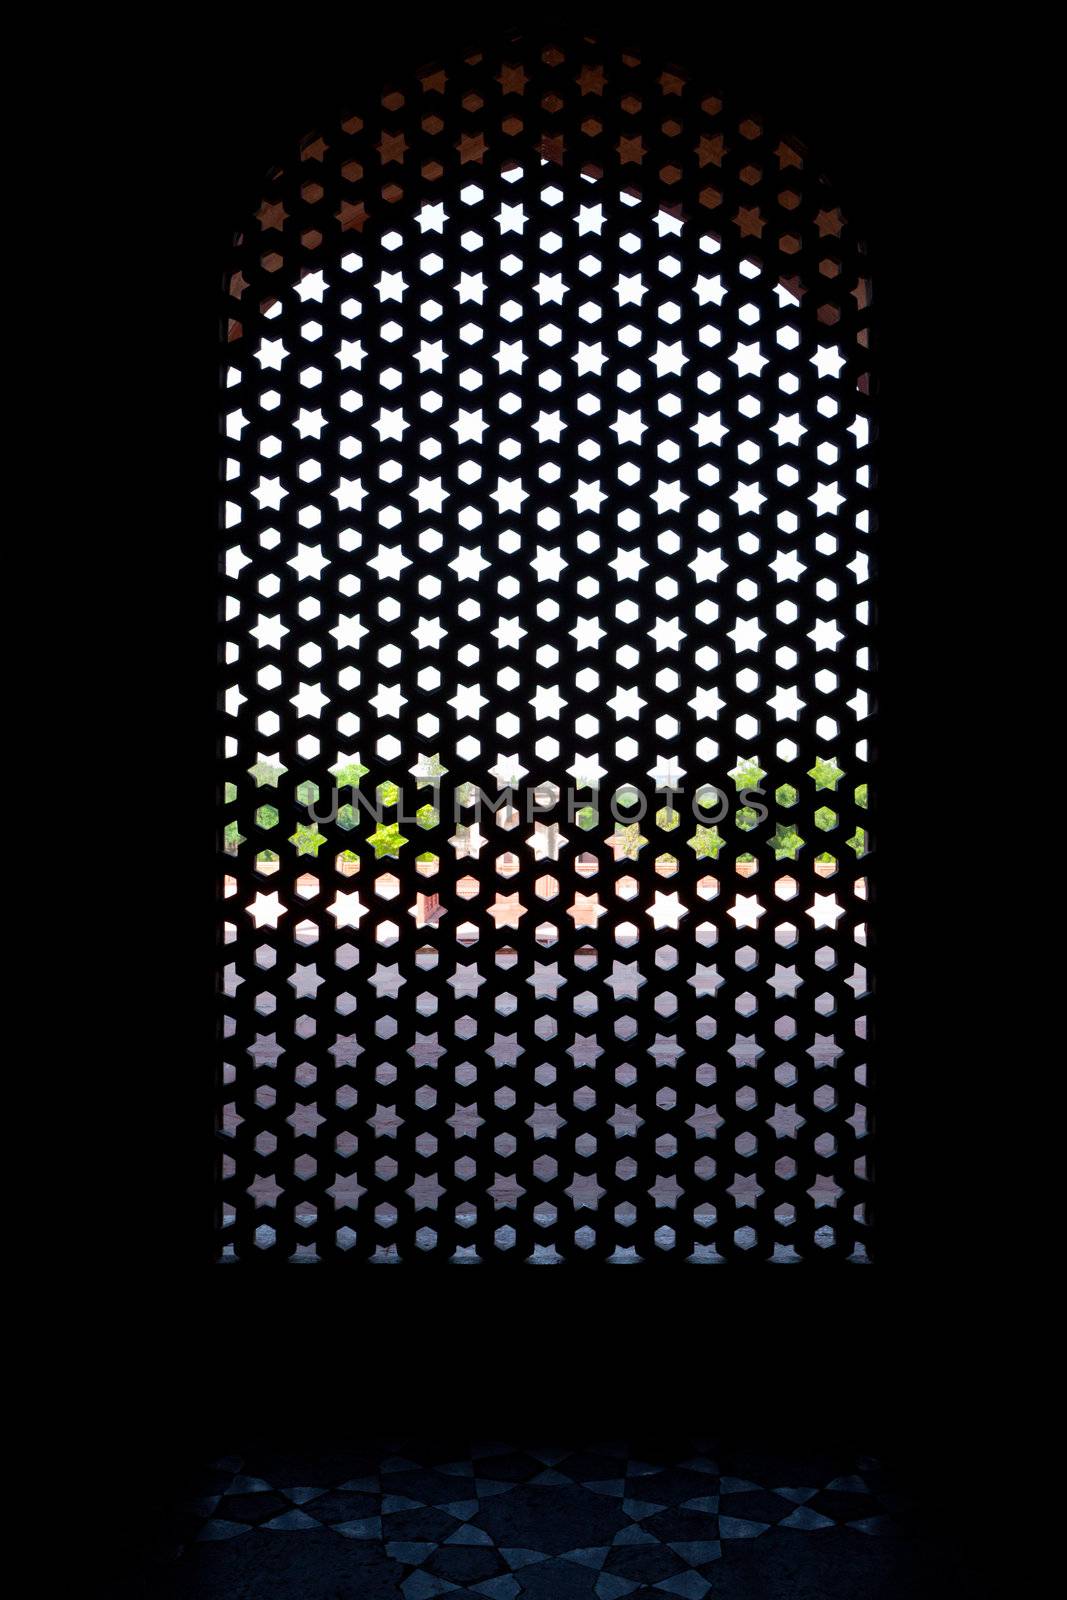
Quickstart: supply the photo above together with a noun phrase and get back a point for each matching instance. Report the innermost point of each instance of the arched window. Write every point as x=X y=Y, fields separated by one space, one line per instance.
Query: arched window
x=546 y=699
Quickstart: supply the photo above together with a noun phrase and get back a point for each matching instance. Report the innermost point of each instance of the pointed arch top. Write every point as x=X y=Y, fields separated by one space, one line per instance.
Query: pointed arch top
x=645 y=126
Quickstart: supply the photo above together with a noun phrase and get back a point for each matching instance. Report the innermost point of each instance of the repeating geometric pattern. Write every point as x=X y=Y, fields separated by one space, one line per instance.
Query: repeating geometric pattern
x=546 y=708
x=505 y=1520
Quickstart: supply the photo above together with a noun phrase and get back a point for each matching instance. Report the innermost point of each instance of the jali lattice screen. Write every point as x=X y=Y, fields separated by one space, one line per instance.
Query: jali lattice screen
x=545 y=708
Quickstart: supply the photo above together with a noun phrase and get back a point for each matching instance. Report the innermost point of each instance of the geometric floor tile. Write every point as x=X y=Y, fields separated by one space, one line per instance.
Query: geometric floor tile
x=409 y=1520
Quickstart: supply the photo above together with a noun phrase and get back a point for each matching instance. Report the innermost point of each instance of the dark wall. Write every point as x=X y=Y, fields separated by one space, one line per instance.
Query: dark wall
x=192 y=1355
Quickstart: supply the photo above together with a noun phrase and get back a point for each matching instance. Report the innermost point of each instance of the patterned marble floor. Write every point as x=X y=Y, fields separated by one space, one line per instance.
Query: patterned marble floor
x=410 y=1520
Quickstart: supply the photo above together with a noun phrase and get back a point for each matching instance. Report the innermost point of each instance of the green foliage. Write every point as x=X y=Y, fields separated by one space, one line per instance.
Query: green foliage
x=266 y=774
x=628 y=839
x=825 y=773
x=386 y=839
x=307 y=839
x=350 y=774
x=706 y=842
x=748 y=775
x=786 y=842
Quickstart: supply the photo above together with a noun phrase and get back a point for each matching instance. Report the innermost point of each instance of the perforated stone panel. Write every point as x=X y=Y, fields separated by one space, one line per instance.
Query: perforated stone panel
x=545 y=479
